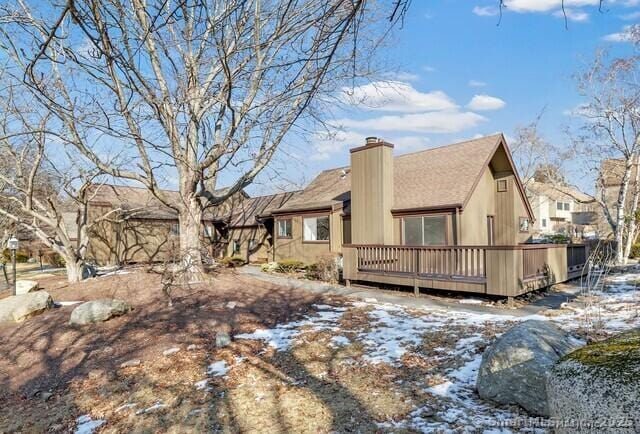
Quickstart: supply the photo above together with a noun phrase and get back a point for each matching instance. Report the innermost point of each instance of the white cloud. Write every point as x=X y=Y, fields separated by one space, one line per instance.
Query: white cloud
x=476 y=83
x=523 y=6
x=325 y=145
x=486 y=11
x=403 y=76
x=625 y=35
x=397 y=96
x=449 y=121
x=485 y=102
x=428 y=68
x=339 y=142
x=576 y=15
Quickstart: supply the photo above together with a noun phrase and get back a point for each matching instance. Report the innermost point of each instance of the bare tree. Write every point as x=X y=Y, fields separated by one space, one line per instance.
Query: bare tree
x=203 y=91
x=612 y=134
x=43 y=189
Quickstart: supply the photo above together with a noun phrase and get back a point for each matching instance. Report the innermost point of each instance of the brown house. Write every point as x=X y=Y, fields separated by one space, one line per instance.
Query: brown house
x=146 y=230
x=454 y=217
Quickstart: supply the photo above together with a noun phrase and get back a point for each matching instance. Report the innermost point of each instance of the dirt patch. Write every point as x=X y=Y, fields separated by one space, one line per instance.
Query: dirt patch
x=78 y=367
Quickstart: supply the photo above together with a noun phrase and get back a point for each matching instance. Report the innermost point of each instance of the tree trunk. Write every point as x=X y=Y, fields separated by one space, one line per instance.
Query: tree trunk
x=631 y=230
x=74 y=269
x=620 y=213
x=190 y=220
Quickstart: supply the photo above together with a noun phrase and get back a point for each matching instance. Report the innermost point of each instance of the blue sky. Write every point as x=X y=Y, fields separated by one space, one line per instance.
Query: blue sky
x=457 y=74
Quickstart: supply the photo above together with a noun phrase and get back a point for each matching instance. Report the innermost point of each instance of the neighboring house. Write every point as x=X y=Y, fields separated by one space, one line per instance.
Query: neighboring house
x=561 y=209
x=608 y=187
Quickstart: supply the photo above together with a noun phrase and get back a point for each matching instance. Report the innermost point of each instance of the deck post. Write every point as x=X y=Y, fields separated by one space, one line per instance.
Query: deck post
x=416 y=289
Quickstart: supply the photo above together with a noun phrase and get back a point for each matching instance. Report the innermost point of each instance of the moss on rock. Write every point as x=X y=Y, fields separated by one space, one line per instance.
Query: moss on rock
x=618 y=355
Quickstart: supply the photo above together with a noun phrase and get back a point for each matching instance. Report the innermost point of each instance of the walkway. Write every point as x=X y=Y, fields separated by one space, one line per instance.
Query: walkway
x=553 y=300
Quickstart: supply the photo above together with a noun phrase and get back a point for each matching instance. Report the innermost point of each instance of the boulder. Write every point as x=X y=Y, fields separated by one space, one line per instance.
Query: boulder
x=596 y=389
x=515 y=367
x=98 y=311
x=18 y=308
x=26 y=286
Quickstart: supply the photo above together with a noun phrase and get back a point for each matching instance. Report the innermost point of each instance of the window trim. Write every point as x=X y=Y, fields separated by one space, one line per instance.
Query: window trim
x=284 y=237
x=316 y=216
x=447 y=226
x=502 y=185
x=520 y=225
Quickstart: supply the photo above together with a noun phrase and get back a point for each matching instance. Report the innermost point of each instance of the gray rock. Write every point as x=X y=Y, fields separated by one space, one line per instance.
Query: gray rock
x=597 y=388
x=222 y=339
x=88 y=271
x=130 y=363
x=515 y=367
x=170 y=351
x=98 y=311
x=18 y=308
x=26 y=286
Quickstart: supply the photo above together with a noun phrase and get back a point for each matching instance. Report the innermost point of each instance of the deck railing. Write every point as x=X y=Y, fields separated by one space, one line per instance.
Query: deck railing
x=442 y=262
x=576 y=256
x=500 y=270
x=534 y=262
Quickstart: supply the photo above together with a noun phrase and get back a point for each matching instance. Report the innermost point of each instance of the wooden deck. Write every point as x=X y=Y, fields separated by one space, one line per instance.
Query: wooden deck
x=497 y=270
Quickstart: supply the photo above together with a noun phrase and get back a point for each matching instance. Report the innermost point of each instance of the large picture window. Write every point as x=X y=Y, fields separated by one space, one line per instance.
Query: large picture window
x=284 y=228
x=316 y=228
x=425 y=231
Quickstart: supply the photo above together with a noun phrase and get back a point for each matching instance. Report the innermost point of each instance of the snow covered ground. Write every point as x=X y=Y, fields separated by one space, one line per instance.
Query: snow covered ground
x=441 y=348
x=394 y=332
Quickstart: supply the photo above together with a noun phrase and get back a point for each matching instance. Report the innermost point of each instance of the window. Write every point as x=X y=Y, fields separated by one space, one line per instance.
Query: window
x=563 y=206
x=425 y=231
x=284 y=228
x=175 y=229
x=559 y=206
x=252 y=245
x=544 y=223
x=502 y=185
x=236 y=247
x=524 y=224
x=346 y=231
x=316 y=228
x=566 y=206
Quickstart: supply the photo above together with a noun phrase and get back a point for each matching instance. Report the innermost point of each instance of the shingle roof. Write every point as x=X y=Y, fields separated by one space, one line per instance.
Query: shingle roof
x=143 y=204
x=557 y=192
x=611 y=171
x=247 y=212
x=432 y=178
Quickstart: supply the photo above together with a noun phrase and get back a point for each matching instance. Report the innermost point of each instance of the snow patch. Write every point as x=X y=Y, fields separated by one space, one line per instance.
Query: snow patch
x=217 y=369
x=86 y=425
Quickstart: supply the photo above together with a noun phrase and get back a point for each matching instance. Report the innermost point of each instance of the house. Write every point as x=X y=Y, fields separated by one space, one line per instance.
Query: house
x=455 y=217
x=146 y=230
x=561 y=209
x=608 y=188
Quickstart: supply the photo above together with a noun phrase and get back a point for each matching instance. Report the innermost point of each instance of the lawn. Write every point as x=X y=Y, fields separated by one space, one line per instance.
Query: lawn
x=299 y=362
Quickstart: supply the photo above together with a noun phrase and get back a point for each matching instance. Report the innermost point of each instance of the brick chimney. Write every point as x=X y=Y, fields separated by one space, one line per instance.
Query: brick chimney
x=372 y=192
